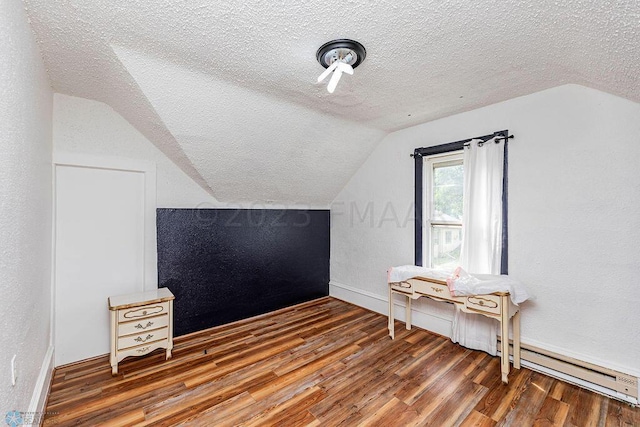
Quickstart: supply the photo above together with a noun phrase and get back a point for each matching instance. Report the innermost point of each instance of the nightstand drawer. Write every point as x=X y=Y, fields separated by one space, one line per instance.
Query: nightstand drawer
x=136 y=313
x=143 y=325
x=143 y=338
x=485 y=303
x=141 y=350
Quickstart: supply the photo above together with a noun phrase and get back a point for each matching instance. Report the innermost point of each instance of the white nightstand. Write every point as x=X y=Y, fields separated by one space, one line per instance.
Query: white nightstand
x=140 y=323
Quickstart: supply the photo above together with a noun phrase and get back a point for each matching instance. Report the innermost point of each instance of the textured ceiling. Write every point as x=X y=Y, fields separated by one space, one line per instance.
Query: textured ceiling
x=227 y=90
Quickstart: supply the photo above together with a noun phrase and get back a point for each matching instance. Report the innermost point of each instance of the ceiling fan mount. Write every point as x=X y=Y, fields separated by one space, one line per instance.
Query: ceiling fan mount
x=338 y=57
x=348 y=51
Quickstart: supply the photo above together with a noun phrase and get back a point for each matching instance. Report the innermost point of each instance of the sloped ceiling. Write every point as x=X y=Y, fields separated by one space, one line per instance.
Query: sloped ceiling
x=227 y=89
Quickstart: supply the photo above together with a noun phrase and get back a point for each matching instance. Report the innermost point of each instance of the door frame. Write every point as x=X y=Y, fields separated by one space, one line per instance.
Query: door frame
x=89 y=161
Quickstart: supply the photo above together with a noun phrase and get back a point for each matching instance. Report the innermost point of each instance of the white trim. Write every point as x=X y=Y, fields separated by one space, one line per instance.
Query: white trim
x=375 y=302
x=102 y=162
x=150 y=238
x=52 y=289
x=41 y=389
x=148 y=168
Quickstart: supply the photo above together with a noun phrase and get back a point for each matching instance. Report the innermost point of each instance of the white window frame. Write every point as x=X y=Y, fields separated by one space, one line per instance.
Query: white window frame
x=452 y=158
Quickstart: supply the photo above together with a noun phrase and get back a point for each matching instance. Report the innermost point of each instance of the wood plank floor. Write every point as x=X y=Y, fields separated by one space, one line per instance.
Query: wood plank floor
x=324 y=363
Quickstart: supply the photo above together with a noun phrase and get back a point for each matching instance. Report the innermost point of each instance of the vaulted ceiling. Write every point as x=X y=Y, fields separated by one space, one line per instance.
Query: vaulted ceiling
x=228 y=90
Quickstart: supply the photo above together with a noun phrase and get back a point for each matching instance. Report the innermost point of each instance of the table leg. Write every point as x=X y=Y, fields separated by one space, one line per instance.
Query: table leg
x=114 y=342
x=170 y=346
x=504 y=323
x=390 y=317
x=408 y=314
x=516 y=340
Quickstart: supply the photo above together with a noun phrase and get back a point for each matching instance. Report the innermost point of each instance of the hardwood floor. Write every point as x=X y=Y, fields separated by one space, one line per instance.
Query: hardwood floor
x=323 y=363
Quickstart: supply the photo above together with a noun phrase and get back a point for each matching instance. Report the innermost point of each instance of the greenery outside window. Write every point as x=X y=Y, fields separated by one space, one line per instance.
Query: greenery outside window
x=443 y=204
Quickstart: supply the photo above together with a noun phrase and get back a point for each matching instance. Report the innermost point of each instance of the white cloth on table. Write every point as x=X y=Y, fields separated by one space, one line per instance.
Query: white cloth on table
x=473 y=331
x=462 y=283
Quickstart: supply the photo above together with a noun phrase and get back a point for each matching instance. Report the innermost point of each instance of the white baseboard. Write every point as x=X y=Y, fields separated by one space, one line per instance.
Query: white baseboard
x=374 y=302
x=39 y=396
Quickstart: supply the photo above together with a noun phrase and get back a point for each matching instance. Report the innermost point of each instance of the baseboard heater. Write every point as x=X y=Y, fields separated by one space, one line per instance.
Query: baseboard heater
x=610 y=382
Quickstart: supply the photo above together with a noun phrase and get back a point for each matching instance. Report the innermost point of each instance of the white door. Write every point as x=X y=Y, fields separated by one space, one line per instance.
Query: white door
x=99 y=252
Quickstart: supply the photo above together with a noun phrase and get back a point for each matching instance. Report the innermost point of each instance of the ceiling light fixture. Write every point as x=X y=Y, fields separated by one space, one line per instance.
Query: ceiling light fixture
x=338 y=57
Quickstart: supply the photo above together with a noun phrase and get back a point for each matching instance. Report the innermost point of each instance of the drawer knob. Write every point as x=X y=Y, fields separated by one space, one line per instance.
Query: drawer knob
x=140 y=339
x=139 y=326
x=436 y=289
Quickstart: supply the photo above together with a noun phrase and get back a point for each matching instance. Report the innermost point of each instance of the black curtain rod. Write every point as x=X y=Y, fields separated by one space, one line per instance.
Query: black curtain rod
x=504 y=138
x=501 y=135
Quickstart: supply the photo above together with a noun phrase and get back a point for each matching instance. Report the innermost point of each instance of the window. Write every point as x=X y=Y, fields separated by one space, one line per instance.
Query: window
x=426 y=239
x=443 y=192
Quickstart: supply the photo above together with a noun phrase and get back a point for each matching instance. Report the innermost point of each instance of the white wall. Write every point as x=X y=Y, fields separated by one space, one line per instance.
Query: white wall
x=91 y=127
x=574 y=217
x=25 y=208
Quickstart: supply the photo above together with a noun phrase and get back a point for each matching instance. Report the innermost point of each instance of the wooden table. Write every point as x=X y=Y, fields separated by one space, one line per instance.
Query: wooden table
x=497 y=306
x=140 y=323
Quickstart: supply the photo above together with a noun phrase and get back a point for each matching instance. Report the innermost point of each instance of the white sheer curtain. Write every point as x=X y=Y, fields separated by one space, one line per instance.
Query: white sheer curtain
x=481 y=249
